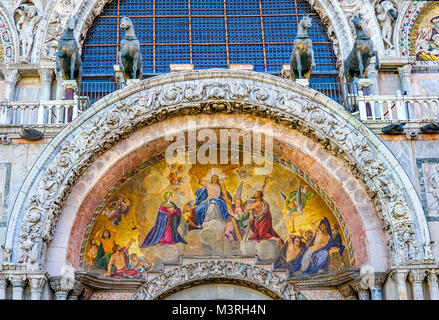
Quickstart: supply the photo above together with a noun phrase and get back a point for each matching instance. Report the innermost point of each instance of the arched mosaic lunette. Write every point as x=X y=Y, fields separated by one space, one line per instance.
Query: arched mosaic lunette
x=37 y=208
x=211 y=270
x=283 y=162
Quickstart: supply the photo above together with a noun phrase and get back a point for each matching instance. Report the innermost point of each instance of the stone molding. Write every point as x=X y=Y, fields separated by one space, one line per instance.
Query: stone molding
x=116 y=116
x=219 y=271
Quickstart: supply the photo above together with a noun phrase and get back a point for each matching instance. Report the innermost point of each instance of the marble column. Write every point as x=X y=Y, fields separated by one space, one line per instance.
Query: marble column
x=376 y=286
x=3 y=286
x=37 y=283
x=60 y=92
x=11 y=78
x=372 y=74
x=433 y=284
x=404 y=74
x=347 y=292
x=361 y=289
x=400 y=276
x=18 y=284
x=46 y=78
x=416 y=277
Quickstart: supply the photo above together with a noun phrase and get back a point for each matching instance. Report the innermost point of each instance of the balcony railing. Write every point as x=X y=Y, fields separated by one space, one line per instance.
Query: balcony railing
x=398 y=107
x=343 y=93
x=96 y=90
x=44 y=112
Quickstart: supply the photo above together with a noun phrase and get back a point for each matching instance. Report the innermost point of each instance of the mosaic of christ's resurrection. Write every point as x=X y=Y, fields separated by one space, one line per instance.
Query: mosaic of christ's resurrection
x=164 y=211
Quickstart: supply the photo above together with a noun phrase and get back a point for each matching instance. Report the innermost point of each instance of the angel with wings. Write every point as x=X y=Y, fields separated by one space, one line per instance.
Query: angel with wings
x=295 y=202
x=235 y=225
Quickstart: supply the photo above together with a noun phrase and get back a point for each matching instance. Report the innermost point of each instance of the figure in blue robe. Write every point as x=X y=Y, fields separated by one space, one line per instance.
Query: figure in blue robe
x=166 y=224
x=295 y=263
x=203 y=203
x=320 y=259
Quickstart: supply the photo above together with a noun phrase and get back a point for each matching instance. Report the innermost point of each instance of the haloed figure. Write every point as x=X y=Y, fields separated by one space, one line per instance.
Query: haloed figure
x=166 y=224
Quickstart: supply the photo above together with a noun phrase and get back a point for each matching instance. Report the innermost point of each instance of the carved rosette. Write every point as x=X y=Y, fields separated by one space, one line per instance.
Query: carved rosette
x=214 y=270
x=226 y=92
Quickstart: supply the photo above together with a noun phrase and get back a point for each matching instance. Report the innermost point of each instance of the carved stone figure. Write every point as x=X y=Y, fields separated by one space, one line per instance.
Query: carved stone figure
x=386 y=14
x=26 y=26
x=359 y=58
x=302 y=59
x=432 y=188
x=54 y=32
x=68 y=59
x=130 y=59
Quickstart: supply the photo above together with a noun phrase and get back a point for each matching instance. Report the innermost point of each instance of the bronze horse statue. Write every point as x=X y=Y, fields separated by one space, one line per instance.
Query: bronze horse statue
x=68 y=59
x=130 y=59
x=359 y=58
x=302 y=59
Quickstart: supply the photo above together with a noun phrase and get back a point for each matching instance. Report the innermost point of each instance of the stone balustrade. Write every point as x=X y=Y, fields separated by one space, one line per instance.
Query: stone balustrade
x=44 y=112
x=398 y=107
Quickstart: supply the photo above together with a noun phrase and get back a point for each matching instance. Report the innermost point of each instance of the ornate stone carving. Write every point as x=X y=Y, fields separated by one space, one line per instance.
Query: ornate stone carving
x=181 y=96
x=29 y=17
x=62 y=286
x=18 y=280
x=386 y=14
x=347 y=292
x=215 y=269
x=53 y=34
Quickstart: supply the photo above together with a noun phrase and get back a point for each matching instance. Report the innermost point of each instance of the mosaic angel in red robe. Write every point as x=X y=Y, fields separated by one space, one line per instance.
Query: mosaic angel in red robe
x=261 y=224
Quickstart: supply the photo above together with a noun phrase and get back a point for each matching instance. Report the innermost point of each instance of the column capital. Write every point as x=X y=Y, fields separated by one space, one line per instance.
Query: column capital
x=46 y=75
x=3 y=282
x=37 y=282
x=405 y=71
x=417 y=275
x=70 y=84
x=11 y=76
x=399 y=275
x=375 y=280
x=61 y=285
x=78 y=288
x=18 y=280
x=347 y=292
x=432 y=274
x=361 y=288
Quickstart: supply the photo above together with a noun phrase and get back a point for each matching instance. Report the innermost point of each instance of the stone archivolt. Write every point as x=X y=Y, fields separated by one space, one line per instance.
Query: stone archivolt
x=119 y=114
x=216 y=270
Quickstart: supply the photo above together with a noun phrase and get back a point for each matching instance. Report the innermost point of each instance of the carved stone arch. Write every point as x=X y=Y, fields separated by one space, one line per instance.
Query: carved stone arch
x=8 y=36
x=216 y=271
x=41 y=199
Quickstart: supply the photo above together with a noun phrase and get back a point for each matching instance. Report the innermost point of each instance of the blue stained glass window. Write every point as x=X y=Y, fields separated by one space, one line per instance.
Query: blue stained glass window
x=207 y=34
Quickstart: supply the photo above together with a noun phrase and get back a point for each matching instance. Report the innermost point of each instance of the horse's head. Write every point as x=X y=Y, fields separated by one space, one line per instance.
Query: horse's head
x=306 y=22
x=357 y=21
x=71 y=23
x=125 y=24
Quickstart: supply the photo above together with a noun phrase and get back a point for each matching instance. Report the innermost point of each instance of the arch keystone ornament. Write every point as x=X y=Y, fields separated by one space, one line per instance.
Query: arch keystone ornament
x=216 y=271
x=37 y=208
